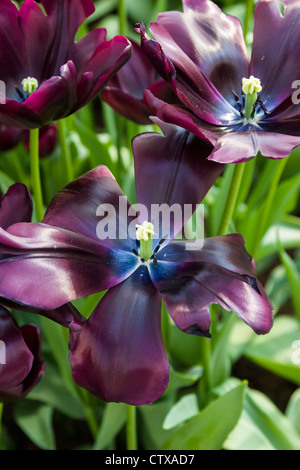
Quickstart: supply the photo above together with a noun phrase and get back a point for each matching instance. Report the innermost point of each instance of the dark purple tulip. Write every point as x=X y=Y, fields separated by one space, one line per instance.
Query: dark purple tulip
x=15 y=206
x=21 y=367
x=9 y=137
x=118 y=354
x=125 y=91
x=201 y=51
x=60 y=75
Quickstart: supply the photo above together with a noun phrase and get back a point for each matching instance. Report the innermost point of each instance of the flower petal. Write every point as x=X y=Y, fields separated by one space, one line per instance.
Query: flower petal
x=177 y=162
x=64 y=18
x=15 y=206
x=119 y=353
x=64 y=265
x=236 y=147
x=15 y=357
x=189 y=83
x=221 y=272
x=79 y=206
x=275 y=50
x=212 y=40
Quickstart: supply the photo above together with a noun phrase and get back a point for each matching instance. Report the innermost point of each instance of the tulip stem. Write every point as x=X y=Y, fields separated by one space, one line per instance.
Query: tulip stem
x=261 y=229
x=122 y=12
x=65 y=150
x=35 y=172
x=131 y=436
x=232 y=197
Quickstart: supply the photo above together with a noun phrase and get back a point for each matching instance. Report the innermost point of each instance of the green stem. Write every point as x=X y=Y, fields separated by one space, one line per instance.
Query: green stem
x=35 y=172
x=122 y=12
x=131 y=435
x=66 y=154
x=232 y=198
x=268 y=204
x=248 y=16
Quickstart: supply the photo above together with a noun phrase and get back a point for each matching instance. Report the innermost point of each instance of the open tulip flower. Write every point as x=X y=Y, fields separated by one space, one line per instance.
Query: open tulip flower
x=48 y=76
x=241 y=106
x=21 y=367
x=118 y=352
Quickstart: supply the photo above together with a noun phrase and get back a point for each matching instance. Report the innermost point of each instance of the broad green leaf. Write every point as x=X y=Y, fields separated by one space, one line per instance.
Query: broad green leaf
x=186 y=378
x=276 y=351
x=293 y=276
x=184 y=409
x=292 y=411
x=152 y=433
x=112 y=422
x=262 y=427
x=209 y=429
x=5 y=182
x=277 y=287
x=35 y=420
x=52 y=391
x=288 y=234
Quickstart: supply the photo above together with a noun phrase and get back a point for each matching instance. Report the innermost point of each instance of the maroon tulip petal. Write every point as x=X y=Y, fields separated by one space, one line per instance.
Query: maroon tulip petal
x=12 y=51
x=36 y=30
x=212 y=41
x=16 y=358
x=64 y=264
x=126 y=105
x=236 y=147
x=108 y=59
x=76 y=207
x=222 y=272
x=15 y=206
x=122 y=340
x=189 y=83
x=275 y=50
x=83 y=50
x=64 y=17
x=32 y=337
x=183 y=117
x=177 y=163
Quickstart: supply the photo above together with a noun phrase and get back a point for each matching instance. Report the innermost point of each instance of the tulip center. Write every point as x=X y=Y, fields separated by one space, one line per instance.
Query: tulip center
x=250 y=86
x=29 y=85
x=144 y=234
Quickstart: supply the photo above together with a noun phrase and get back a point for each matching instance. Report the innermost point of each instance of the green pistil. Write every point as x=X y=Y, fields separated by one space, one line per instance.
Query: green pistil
x=29 y=85
x=144 y=234
x=250 y=86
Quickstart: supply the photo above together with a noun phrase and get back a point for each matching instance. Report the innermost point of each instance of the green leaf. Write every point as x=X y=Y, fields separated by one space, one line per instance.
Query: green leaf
x=289 y=235
x=113 y=420
x=52 y=391
x=262 y=427
x=209 y=429
x=35 y=420
x=184 y=409
x=292 y=411
x=275 y=351
x=293 y=276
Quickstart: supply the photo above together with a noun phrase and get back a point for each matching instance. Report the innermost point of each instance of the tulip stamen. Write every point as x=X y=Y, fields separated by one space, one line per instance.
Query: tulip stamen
x=30 y=84
x=144 y=234
x=250 y=86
